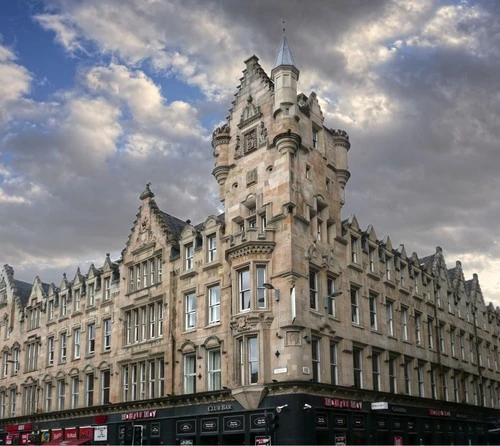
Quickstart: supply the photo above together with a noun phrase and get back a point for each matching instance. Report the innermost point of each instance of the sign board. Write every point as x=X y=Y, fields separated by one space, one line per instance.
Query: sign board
x=155 y=429
x=186 y=441
x=100 y=433
x=259 y=440
x=340 y=439
x=380 y=406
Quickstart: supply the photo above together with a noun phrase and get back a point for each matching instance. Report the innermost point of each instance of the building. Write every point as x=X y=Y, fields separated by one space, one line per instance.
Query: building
x=277 y=318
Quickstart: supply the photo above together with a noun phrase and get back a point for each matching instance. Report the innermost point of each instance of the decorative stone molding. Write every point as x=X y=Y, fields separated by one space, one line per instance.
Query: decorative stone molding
x=250 y=248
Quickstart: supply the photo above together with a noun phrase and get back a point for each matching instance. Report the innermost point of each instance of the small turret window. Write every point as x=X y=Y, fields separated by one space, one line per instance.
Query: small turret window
x=315 y=139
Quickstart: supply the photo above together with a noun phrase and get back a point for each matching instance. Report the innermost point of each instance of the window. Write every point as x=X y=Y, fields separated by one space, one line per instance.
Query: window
x=212 y=248
x=152 y=321
x=354 y=249
x=334 y=378
x=214 y=304
x=12 y=401
x=456 y=389
x=418 y=328
x=107 y=288
x=152 y=271
x=50 y=310
x=373 y=311
x=402 y=276
x=214 y=370
x=3 y=398
x=407 y=370
x=145 y=274
x=131 y=278
x=420 y=378
x=189 y=253
x=313 y=289
x=371 y=259
x=475 y=398
x=461 y=340
x=138 y=320
x=91 y=295
x=107 y=334
x=77 y=336
x=261 y=291
x=63 y=345
x=442 y=343
x=30 y=397
x=316 y=359
x=48 y=396
x=404 y=323
x=467 y=311
x=315 y=139
x=125 y=379
x=450 y=303
x=64 y=305
x=190 y=373
x=138 y=276
x=15 y=358
x=433 y=383
x=465 y=388
x=142 y=380
x=50 y=350
x=430 y=332
x=134 y=381
x=452 y=342
x=376 y=371
x=160 y=269
x=90 y=339
x=438 y=297
x=244 y=288
x=388 y=268
x=389 y=311
x=190 y=308
x=5 y=364
x=471 y=349
x=330 y=286
x=105 y=384
x=354 y=305
x=61 y=394
x=248 y=352
x=31 y=356
x=76 y=299
x=415 y=283
x=444 y=385
x=393 y=386
x=357 y=365
x=75 y=383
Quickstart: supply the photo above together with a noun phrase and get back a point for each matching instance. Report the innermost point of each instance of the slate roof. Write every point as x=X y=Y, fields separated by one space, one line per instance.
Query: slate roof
x=23 y=291
x=426 y=260
x=285 y=56
x=174 y=225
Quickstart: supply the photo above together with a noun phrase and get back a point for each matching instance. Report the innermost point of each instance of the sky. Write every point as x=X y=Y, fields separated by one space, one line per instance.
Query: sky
x=100 y=97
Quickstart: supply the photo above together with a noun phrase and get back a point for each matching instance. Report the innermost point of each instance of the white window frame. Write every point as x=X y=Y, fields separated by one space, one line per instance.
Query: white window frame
x=214 y=369
x=190 y=311
x=214 y=304
x=189 y=257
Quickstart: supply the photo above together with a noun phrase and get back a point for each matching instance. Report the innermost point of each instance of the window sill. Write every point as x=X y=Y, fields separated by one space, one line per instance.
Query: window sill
x=212 y=264
x=355 y=267
x=377 y=332
x=106 y=352
x=189 y=273
x=405 y=341
x=373 y=275
x=77 y=313
x=90 y=355
x=357 y=326
x=213 y=325
x=392 y=337
x=389 y=283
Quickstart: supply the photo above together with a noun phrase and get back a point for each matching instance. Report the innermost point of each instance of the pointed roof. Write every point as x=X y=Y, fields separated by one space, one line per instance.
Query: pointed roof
x=285 y=56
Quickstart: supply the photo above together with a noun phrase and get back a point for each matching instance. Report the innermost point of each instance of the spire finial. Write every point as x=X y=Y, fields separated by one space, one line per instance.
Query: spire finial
x=283 y=21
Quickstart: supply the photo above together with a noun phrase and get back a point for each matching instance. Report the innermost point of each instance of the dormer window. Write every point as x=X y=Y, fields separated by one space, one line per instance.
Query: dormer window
x=189 y=253
x=354 y=249
x=107 y=288
x=64 y=305
x=76 y=298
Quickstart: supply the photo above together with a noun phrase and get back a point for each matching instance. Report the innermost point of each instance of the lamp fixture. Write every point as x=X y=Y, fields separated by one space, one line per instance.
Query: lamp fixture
x=269 y=286
x=333 y=295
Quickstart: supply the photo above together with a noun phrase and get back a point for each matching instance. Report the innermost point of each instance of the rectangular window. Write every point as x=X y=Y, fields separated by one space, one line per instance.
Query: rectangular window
x=189 y=254
x=244 y=289
x=214 y=304
x=393 y=386
x=316 y=356
x=313 y=289
x=48 y=396
x=90 y=339
x=160 y=269
x=107 y=288
x=64 y=305
x=402 y=276
x=12 y=402
x=376 y=371
x=190 y=308
x=3 y=399
x=212 y=248
x=371 y=259
x=253 y=360
x=128 y=328
x=63 y=344
x=407 y=370
x=31 y=356
x=125 y=378
x=388 y=268
x=50 y=310
x=61 y=394
x=131 y=277
x=107 y=334
x=144 y=322
x=76 y=298
x=145 y=274
x=404 y=323
x=354 y=305
x=50 y=350
x=152 y=321
x=418 y=328
x=105 y=385
x=134 y=382
x=190 y=373
x=389 y=311
x=465 y=388
x=214 y=370
x=261 y=290
x=357 y=365
x=77 y=336
x=330 y=287
x=461 y=340
x=152 y=271
x=442 y=343
x=160 y=319
x=138 y=277
x=471 y=349
x=415 y=283
x=354 y=249
x=373 y=311
x=142 y=380
x=314 y=139
x=433 y=383
x=334 y=379
x=152 y=380
x=452 y=342
x=75 y=391
x=444 y=385
x=456 y=389
x=420 y=378
x=15 y=358
x=91 y=295
x=430 y=332
x=161 y=377
x=5 y=364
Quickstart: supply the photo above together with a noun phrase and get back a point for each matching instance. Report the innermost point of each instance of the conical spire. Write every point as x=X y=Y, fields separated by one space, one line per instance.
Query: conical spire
x=285 y=56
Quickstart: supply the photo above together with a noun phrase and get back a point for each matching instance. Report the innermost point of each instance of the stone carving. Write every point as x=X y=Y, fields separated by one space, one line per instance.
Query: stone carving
x=263 y=134
x=250 y=141
x=292 y=338
x=251 y=112
x=252 y=177
x=237 y=149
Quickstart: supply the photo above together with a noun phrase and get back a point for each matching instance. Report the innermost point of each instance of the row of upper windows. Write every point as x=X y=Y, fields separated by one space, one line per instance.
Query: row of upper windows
x=144 y=323
x=211 y=251
x=145 y=274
